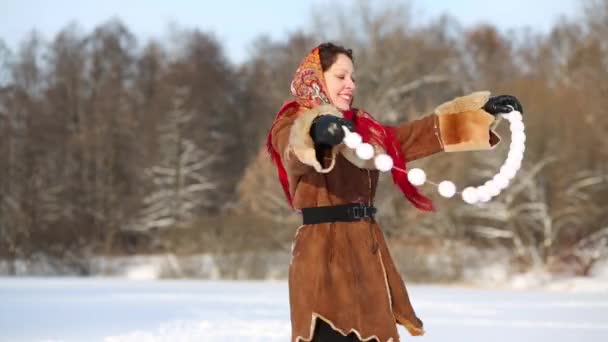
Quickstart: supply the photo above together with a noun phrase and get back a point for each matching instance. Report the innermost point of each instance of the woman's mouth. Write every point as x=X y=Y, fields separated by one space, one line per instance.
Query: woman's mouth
x=346 y=97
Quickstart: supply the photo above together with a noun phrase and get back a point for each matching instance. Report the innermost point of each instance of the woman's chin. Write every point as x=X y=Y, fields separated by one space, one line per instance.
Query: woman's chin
x=342 y=105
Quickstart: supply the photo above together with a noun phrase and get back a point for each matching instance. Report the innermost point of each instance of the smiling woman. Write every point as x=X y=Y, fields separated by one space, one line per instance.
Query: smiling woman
x=343 y=283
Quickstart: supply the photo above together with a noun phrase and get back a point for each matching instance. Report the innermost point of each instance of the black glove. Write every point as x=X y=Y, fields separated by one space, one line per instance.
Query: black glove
x=500 y=104
x=327 y=129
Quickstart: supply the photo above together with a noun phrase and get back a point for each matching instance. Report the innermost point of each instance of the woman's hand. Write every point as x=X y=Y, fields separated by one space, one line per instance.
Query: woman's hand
x=327 y=129
x=503 y=104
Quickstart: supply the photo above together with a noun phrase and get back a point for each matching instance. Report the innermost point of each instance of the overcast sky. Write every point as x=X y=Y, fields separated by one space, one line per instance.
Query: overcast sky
x=237 y=23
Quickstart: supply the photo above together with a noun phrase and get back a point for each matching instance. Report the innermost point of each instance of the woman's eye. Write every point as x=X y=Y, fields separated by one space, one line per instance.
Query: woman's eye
x=340 y=77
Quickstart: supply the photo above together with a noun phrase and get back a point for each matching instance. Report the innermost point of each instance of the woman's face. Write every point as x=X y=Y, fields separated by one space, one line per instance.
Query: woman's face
x=340 y=82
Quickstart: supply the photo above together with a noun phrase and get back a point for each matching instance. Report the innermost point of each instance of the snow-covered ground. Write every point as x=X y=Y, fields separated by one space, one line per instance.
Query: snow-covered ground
x=112 y=310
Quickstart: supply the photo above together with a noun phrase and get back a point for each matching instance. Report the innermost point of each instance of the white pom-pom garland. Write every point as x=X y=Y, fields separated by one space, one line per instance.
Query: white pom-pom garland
x=471 y=195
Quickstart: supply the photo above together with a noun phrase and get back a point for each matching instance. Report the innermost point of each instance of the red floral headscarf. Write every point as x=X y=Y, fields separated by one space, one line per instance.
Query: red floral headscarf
x=309 y=90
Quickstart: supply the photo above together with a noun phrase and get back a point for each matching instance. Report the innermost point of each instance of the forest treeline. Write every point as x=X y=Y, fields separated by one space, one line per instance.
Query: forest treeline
x=110 y=145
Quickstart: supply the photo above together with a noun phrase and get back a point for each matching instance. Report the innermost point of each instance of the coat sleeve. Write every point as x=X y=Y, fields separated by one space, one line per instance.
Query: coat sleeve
x=291 y=138
x=457 y=125
x=420 y=138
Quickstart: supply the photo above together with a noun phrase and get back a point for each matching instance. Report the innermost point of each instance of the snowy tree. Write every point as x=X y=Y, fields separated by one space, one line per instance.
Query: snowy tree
x=180 y=184
x=538 y=226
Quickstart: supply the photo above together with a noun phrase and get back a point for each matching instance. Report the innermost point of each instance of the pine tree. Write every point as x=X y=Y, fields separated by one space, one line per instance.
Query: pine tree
x=180 y=184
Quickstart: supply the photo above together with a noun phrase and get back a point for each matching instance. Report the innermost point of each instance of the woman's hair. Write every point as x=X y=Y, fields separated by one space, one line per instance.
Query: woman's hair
x=330 y=51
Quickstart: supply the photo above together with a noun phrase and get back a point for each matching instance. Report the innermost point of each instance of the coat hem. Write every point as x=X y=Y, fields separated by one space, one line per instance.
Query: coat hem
x=313 y=324
x=413 y=330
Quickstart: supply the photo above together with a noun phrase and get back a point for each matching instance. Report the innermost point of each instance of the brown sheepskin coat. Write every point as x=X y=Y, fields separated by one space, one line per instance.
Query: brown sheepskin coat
x=343 y=272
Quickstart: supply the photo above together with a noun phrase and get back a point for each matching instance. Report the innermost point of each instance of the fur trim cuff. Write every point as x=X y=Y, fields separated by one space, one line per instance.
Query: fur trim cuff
x=464 y=126
x=300 y=142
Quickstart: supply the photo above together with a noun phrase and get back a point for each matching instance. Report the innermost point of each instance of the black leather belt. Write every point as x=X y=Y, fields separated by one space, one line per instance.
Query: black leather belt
x=337 y=213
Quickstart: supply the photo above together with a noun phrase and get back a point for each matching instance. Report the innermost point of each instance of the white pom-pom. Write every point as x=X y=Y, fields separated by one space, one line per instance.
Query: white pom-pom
x=492 y=187
x=352 y=140
x=514 y=164
x=501 y=181
x=447 y=189
x=509 y=116
x=517 y=147
x=483 y=194
x=518 y=137
x=416 y=176
x=515 y=116
x=517 y=126
x=514 y=160
x=469 y=195
x=508 y=171
x=515 y=155
x=365 y=151
x=383 y=162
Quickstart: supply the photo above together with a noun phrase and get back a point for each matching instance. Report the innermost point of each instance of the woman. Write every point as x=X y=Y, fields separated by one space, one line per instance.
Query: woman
x=343 y=284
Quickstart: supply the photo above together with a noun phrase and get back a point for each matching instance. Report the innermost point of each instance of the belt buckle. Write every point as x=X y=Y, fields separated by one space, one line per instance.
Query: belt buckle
x=355 y=212
x=359 y=212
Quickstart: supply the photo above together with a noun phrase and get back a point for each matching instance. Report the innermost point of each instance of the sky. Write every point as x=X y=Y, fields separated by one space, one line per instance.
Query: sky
x=237 y=23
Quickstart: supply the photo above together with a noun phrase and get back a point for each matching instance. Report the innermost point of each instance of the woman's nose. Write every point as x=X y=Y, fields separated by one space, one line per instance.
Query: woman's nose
x=351 y=84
